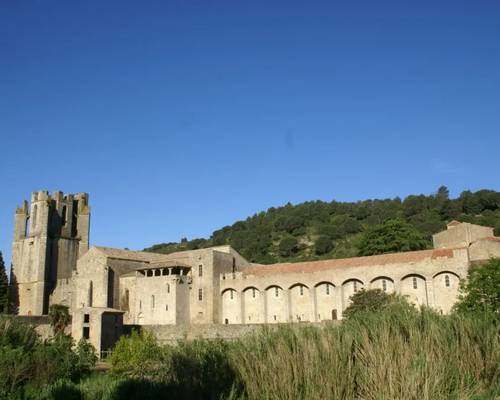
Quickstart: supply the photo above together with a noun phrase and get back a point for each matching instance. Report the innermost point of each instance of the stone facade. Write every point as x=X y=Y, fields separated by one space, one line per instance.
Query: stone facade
x=106 y=287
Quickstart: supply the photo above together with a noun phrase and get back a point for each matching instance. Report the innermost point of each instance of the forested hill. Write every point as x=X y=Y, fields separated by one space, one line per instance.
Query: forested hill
x=317 y=230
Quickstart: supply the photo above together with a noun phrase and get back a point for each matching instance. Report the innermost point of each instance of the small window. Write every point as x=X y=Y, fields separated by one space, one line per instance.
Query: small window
x=140 y=304
x=384 y=285
x=64 y=216
x=415 y=285
x=355 y=286
x=200 y=270
x=168 y=287
x=226 y=321
x=231 y=294
x=447 y=280
x=275 y=317
x=166 y=307
x=200 y=294
x=327 y=289
x=86 y=332
x=253 y=293
x=86 y=318
x=276 y=292
x=301 y=290
x=152 y=301
x=234 y=264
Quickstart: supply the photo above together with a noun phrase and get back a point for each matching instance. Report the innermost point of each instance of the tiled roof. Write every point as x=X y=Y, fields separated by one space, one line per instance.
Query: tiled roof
x=131 y=255
x=493 y=238
x=312 y=266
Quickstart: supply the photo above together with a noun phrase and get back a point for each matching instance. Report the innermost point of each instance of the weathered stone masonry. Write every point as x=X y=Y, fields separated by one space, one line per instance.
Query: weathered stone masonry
x=106 y=287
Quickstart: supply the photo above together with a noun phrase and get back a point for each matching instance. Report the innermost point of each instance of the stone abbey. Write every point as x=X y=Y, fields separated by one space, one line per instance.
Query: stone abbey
x=106 y=288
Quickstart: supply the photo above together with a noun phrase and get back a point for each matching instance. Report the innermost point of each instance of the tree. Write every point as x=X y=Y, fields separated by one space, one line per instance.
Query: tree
x=375 y=300
x=323 y=245
x=59 y=317
x=481 y=291
x=4 y=287
x=394 y=235
x=287 y=246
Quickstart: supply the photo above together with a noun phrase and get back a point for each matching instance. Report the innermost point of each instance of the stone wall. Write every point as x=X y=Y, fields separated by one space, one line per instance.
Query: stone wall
x=171 y=334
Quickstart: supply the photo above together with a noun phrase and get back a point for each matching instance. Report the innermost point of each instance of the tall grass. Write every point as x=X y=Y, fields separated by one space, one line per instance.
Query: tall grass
x=396 y=354
x=385 y=356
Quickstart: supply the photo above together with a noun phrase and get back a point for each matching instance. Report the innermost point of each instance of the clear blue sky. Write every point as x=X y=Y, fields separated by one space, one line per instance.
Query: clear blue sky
x=180 y=117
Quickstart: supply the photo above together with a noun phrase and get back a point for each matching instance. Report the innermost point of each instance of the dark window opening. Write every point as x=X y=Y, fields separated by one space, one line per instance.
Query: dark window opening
x=415 y=285
x=334 y=315
x=64 y=216
x=200 y=294
x=200 y=270
x=86 y=318
x=86 y=332
x=226 y=321
x=447 y=280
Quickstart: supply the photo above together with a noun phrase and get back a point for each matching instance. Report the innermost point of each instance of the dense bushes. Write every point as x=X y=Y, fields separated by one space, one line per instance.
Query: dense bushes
x=27 y=363
x=392 y=354
x=335 y=229
x=397 y=353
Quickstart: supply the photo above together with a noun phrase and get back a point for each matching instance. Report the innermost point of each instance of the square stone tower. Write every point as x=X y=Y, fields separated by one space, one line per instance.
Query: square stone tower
x=50 y=234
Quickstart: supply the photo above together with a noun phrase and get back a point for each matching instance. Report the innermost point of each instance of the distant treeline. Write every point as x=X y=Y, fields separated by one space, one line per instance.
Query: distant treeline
x=318 y=230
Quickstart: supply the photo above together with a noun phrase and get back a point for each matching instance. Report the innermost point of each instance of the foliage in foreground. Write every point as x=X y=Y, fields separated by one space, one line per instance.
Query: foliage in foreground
x=28 y=363
x=395 y=354
x=481 y=291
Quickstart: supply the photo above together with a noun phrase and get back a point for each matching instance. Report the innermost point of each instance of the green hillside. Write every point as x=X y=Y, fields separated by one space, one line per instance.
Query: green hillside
x=317 y=230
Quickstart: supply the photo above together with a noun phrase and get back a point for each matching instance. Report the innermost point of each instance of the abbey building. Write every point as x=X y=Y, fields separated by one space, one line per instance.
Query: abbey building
x=106 y=288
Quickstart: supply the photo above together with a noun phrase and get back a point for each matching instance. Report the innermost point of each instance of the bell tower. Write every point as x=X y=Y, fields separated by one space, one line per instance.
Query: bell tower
x=50 y=234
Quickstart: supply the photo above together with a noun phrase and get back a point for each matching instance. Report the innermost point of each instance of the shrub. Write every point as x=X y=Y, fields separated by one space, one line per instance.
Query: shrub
x=376 y=300
x=137 y=356
x=480 y=292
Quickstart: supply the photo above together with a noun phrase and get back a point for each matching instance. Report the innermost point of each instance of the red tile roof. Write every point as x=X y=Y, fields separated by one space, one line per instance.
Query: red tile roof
x=313 y=266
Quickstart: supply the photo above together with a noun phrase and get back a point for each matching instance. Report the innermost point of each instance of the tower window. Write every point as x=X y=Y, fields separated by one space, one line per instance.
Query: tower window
x=276 y=292
x=355 y=286
x=301 y=290
x=200 y=270
x=166 y=307
x=384 y=285
x=140 y=304
x=86 y=318
x=33 y=221
x=64 y=216
x=231 y=294
x=200 y=294
x=153 y=301
x=415 y=285
x=168 y=287
x=447 y=280
x=327 y=289
x=253 y=293
x=86 y=332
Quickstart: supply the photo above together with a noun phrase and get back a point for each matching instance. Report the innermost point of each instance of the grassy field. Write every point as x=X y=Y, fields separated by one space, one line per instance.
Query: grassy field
x=391 y=355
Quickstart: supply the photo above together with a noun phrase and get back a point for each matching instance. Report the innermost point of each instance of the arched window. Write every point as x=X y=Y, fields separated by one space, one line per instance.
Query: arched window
x=415 y=285
x=447 y=280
